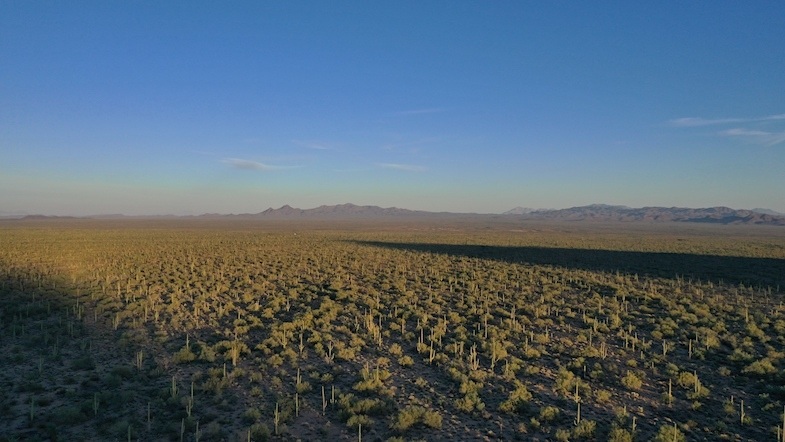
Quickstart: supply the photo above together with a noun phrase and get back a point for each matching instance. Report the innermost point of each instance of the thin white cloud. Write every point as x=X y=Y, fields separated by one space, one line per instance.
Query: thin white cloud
x=744 y=132
x=697 y=121
x=316 y=145
x=403 y=167
x=242 y=164
x=758 y=136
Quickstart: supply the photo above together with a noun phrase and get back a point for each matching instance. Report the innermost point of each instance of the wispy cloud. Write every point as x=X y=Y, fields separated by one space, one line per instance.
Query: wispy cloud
x=766 y=130
x=698 y=121
x=403 y=167
x=429 y=110
x=242 y=164
x=758 y=136
x=744 y=132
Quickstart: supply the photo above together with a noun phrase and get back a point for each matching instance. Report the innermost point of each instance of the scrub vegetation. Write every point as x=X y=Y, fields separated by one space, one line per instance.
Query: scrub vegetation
x=200 y=331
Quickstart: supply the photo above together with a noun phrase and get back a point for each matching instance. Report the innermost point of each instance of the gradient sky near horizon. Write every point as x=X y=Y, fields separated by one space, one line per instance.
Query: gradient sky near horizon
x=233 y=107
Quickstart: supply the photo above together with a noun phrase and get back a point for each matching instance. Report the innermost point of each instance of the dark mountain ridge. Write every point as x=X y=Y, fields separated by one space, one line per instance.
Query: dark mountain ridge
x=602 y=212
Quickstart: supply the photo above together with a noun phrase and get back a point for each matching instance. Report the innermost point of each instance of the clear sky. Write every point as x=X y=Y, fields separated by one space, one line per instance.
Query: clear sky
x=148 y=107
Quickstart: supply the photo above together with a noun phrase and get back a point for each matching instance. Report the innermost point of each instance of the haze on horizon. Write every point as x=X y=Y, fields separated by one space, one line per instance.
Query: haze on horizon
x=196 y=107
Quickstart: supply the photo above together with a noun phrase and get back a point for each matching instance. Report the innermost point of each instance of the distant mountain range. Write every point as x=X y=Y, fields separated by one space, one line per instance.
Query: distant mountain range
x=768 y=212
x=340 y=211
x=604 y=212
x=594 y=212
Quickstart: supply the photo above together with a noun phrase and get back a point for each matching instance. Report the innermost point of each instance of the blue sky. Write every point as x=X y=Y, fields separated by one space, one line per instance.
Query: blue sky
x=193 y=107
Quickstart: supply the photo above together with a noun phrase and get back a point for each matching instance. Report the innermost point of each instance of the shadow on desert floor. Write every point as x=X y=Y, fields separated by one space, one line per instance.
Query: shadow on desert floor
x=759 y=272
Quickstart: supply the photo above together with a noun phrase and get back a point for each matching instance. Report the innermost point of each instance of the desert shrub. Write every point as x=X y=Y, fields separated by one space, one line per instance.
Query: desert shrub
x=302 y=387
x=562 y=435
x=396 y=350
x=347 y=353
x=406 y=361
x=206 y=352
x=413 y=415
x=686 y=380
x=407 y=418
x=585 y=429
x=531 y=353
x=517 y=400
x=369 y=407
x=432 y=419
x=602 y=396
x=275 y=361
x=83 y=363
x=184 y=355
x=469 y=402
x=252 y=415
x=761 y=367
x=358 y=419
x=669 y=433
x=532 y=369
x=549 y=413
x=671 y=370
x=739 y=355
x=754 y=331
x=619 y=435
x=260 y=432
x=565 y=382
x=699 y=393
x=370 y=385
x=631 y=381
x=211 y=431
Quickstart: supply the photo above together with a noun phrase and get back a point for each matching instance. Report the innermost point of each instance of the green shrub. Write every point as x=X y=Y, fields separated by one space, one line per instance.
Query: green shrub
x=585 y=429
x=686 y=380
x=602 y=396
x=762 y=367
x=517 y=401
x=669 y=433
x=549 y=413
x=562 y=435
x=432 y=419
x=260 y=432
x=406 y=361
x=359 y=419
x=631 y=381
x=184 y=355
x=619 y=435
x=396 y=350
